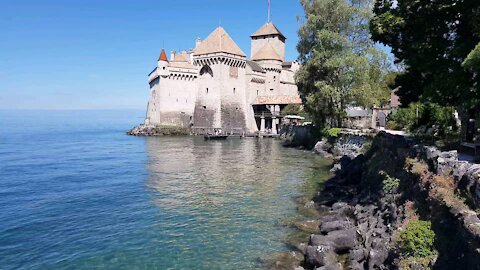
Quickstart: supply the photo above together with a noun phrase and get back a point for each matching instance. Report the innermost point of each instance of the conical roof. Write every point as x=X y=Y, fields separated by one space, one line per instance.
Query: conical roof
x=219 y=41
x=267 y=53
x=268 y=29
x=163 y=56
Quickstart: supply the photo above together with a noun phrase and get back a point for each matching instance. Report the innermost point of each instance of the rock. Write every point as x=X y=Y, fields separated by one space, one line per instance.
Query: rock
x=302 y=247
x=377 y=257
x=309 y=226
x=358 y=254
x=337 y=225
x=310 y=204
x=337 y=266
x=322 y=148
x=340 y=241
x=283 y=260
x=320 y=256
x=354 y=265
x=336 y=167
x=339 y=205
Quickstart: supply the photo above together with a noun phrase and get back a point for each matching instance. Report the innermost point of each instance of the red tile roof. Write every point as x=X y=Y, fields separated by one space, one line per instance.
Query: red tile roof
x=163 y=56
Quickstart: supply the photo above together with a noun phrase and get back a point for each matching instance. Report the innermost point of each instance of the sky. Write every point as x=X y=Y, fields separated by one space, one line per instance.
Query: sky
x=96 y=54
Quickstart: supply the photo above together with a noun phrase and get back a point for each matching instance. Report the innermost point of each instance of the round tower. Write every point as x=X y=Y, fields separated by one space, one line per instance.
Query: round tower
x=162 y=64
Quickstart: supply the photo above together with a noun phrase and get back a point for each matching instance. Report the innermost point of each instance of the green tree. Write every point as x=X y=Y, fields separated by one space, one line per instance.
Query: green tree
x=472 y=62
x=427 y=115
x=293 y=109
x=340 y=63
x=431 y=40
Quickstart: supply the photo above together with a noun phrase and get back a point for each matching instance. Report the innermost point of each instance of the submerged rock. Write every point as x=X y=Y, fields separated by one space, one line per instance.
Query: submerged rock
x=309 y=226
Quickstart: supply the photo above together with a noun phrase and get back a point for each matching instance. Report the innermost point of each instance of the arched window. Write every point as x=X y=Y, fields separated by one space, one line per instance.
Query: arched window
x=205 y=71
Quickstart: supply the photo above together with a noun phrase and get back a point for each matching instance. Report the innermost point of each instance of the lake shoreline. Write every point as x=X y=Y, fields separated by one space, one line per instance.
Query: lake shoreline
x=391 y=189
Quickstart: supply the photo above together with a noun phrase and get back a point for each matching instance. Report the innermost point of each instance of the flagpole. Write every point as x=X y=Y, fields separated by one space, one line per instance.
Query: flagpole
x=268 y=19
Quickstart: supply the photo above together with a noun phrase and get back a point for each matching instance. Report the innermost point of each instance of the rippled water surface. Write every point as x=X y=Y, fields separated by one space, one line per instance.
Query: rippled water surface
x=77 y=193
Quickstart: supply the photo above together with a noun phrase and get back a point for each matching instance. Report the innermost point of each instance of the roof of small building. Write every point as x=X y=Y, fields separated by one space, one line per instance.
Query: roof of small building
x=180 y=61
x=277 y=100
x=180 y=57
x=163 y=56
x=219 y=41
x=255 y=66
x=267 y=53
x=268 y=29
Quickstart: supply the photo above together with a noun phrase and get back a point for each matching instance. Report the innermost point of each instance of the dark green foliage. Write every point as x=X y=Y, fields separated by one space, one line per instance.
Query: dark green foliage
x=293 y=109
x=429 y=115
x=430 y=40
x=417 y=239
x=472 y=62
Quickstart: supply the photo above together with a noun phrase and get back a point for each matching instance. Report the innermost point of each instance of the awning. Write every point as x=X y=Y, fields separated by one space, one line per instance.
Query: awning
x=277 y=100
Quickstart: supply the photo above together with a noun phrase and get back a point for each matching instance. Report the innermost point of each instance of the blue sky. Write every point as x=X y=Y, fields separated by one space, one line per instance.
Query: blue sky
x=94 y=54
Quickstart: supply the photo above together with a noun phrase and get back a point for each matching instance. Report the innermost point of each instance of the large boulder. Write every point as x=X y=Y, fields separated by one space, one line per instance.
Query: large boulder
x=340 y=241
x=336 y=225
x=322 y=148
x=317 y=256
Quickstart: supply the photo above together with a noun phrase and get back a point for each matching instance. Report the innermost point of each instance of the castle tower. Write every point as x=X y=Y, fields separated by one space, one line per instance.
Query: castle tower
x=162 y=64
x=268 y=33
x=221 y=101
x=271 y=62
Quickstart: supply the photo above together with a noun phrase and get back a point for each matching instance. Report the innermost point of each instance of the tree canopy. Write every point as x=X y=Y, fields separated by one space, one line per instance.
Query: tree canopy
x=340 y=63
x=431 y=40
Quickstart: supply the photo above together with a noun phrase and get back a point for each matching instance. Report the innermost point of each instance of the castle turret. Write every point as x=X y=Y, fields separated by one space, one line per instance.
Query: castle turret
x=271 y=62
x=162 y=64
x=268 y=33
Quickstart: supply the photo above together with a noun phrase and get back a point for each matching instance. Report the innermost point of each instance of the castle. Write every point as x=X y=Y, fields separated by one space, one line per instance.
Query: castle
x=215 y=86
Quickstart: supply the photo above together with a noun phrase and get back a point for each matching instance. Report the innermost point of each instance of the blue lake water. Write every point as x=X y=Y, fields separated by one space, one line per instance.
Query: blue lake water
x=77 y=193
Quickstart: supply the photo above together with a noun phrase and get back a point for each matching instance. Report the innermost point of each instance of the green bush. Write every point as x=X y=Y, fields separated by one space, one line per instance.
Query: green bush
x=417 y=239
x=393 y=125
x=332 y=132
x=390 y=184
x=429 y=115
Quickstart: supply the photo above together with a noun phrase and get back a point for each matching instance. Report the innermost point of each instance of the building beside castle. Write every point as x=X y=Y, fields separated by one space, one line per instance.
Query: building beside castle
x=216 y=86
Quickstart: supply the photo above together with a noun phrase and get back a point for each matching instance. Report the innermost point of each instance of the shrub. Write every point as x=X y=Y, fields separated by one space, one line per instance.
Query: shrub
x=393 y=125
x=390 y=184
x=332 y=132
x=417 y=239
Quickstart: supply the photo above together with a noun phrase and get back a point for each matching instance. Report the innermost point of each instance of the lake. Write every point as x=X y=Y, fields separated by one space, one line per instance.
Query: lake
x=77 y=193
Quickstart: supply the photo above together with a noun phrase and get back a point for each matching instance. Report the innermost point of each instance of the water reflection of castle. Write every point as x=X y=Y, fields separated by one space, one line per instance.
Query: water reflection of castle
x=191 y=171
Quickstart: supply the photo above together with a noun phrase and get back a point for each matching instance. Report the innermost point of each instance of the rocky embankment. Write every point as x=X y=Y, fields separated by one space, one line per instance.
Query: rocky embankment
x=377 y=196
x=151 y=130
